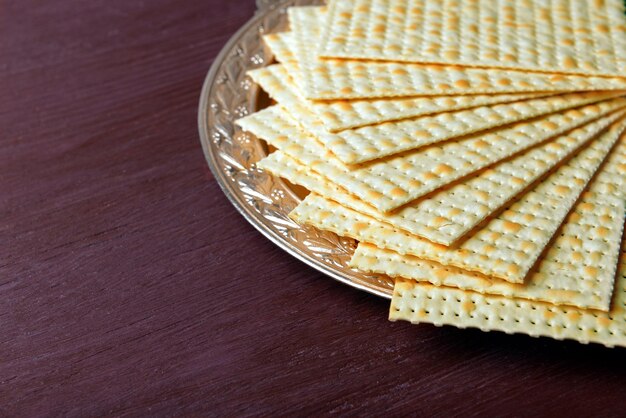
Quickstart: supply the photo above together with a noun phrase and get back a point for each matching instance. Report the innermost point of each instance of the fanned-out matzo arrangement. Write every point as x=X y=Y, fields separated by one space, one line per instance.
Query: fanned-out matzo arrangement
x=475 y=150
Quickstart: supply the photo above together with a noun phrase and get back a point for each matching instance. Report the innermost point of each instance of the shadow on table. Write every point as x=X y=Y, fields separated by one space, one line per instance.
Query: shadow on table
x=541 y=350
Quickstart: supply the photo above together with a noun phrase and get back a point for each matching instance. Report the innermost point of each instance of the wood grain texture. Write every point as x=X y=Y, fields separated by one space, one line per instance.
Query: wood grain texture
x=129 y=286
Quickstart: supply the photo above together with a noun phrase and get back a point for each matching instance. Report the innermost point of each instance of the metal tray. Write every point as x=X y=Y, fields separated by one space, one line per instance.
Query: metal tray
x=262 y=199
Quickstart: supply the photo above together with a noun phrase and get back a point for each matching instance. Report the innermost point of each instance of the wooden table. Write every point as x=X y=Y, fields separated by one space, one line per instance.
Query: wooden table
x=130 y=286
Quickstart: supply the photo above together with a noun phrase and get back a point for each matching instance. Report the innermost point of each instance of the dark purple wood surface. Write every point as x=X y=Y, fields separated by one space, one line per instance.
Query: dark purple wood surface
x=130 y=286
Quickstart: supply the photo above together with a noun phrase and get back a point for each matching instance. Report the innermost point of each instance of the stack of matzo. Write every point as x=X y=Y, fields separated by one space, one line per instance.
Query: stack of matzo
x=476 y=149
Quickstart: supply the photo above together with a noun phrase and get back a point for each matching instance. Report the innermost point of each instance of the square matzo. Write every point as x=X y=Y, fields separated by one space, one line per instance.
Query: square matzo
x=391 y=183
x=339 y=115
x=346 y=79
x=559 y=36
x=453 y=211
x=419 y=302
